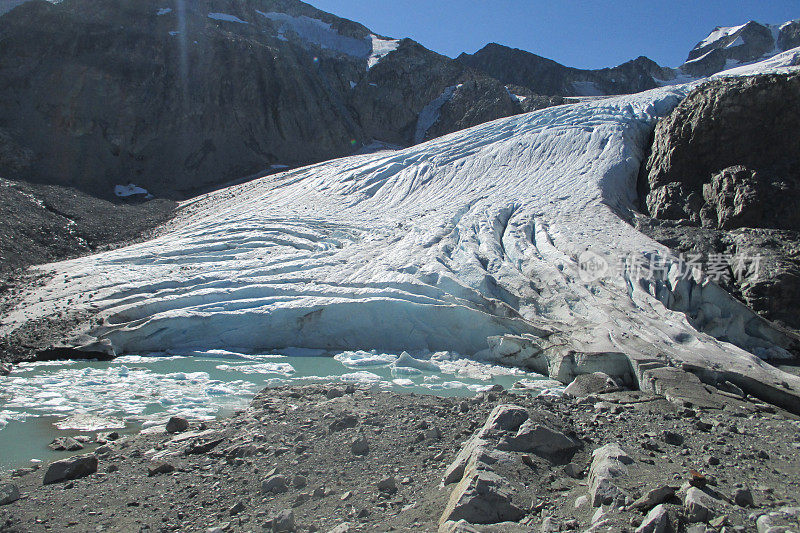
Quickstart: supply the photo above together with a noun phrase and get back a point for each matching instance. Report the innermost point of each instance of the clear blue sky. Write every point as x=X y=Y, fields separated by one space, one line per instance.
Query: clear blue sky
x=579 y=33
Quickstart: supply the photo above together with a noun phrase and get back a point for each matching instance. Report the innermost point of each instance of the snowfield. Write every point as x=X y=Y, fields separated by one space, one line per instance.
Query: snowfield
x=468 y=243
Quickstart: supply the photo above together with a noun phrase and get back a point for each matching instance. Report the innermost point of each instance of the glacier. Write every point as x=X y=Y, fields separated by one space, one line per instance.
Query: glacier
x=469 y=243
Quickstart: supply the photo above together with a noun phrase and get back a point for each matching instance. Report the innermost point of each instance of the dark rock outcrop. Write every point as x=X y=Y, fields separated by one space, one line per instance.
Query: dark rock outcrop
x=94 y=93
x=725 y=167
x=544 y=76
x=728 y=47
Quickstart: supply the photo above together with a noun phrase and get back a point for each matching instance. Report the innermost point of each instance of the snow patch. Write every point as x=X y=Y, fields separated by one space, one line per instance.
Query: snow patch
x=125 y=191
x=430 y=113
x=318 y=33
x=718 y=34
x=380 y=49
x=164 y=11
x=226 y=18
x=516 y=97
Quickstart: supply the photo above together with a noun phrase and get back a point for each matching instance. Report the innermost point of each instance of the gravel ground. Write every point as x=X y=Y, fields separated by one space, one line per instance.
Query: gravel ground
x=47 y=223
x=321 y=457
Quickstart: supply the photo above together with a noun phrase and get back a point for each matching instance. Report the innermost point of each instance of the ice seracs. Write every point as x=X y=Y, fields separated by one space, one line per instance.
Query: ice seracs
x=469 y=243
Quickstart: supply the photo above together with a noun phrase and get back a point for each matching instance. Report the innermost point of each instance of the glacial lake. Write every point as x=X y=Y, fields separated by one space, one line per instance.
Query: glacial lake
x=44 y=400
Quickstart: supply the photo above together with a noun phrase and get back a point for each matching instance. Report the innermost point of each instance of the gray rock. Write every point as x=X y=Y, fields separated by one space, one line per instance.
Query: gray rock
x=387 y=484
x=334 y=393
x=653 y=498
x=506 y=418
x=277 y=484
x=700 y=506
x=72 y=468
x=743 y=497
x=672 y=438
x=299 y=481
x=159 y=467
x=283 y=522
x=5 y=369
x=609 y=465
x=482 y=497
x=342 y=423
x=550 y=525
x=68 y=444
x=587 y=384
x=9 y=493
x=359 y=446
x=177 y=424
x=656 y=521
x=237 y=508
x=573 y=470
x=540 y=440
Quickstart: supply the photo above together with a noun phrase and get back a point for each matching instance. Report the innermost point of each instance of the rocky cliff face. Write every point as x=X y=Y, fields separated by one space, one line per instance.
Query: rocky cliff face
x=177 y=97
x=725 y=167
x=543 y=76
x=728 y=47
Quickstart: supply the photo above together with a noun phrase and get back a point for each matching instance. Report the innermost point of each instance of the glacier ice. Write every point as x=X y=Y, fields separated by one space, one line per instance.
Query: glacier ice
x=468 y=243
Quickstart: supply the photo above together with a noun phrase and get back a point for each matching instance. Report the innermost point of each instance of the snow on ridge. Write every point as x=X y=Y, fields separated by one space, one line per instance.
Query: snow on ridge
x=163 y=11
x=226 y=18
x=719 y=34
x=431 y=112
x=380 y=49
x=516 y=97
x=319 y=33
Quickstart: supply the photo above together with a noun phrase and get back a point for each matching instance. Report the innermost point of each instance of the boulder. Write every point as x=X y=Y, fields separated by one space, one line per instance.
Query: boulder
x=609 y=464
x=159 y=467
x=506 y=418
x=9 y=493
x=72 y=468
x=656 y=521
x=283 y=522
x=359 y=446
x=587 y=384
x=653 y=498
x=68 y=444
x=482 y=497
x=699 y=505
x=342 y=423
x=540 y=440
x=177 y=424
x=277 y=484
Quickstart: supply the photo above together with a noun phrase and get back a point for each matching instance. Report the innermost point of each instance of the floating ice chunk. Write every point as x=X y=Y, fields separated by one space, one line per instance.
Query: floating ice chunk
x=405 y=371
x=405 y=360
x=360 y=358
x=402 y=382
x=260 y=368
x=360 y=377
x=89 y=422
x=226 y=18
